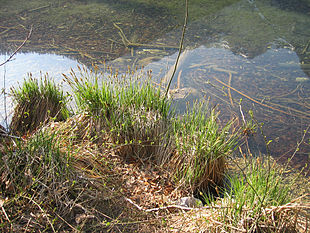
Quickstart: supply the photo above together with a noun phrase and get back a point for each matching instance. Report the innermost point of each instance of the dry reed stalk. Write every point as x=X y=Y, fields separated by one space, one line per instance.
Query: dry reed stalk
x=213 y=173
x=229 y=92
x=292 y=217
x=30 y=116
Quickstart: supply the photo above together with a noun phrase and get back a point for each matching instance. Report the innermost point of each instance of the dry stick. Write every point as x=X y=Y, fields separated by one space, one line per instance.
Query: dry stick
x=301 y=103
x=168 y=74
x=129 y=44
x=298 y=145
x=306 y=228
x=121 y=33
x=305 y=116
x=246 y=140
x=229 y=93
x=6 y=216
x=4 y=101
x=208 y=93
x=179 y=79
x=294 y=110
x=151 y=46
x=48 y=219
x=286 y=94
x=174 y=207
x=159 y=208
x=306 y=48
x=38 y=8
x=181 y=46
x=26 y=230
x=73 y=228
x=5 y=31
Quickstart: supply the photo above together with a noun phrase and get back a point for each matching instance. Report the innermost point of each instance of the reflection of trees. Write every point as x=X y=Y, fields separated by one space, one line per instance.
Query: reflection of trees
x=250 y=29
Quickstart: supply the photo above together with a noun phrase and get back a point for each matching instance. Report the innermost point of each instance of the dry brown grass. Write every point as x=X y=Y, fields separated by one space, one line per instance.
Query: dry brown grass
x=82 y=175
x=28 y=117
x=290 y=218
x=89 y=197
x=94 y=197
x=213 y=173
x=36 y=103
x=148 y=140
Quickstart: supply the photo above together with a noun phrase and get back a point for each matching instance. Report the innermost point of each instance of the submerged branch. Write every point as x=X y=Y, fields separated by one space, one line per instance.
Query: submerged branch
x=129 y=44
x=303 y=115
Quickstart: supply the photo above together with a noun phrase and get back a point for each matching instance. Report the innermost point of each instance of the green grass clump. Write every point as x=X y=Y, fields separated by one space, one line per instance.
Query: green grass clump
x=37 y=102
x=132 y=111
x=253 y=193
x=36 y=168
x=137 y=118
x=202 y=147
x=72 y=175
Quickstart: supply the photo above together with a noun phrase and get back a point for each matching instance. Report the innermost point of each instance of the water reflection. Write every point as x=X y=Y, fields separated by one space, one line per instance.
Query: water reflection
x=272 y=84
x=14 y=72
x=260 y=48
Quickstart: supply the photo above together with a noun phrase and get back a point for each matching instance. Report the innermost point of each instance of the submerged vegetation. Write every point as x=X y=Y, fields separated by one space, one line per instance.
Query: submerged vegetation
x=124 y=159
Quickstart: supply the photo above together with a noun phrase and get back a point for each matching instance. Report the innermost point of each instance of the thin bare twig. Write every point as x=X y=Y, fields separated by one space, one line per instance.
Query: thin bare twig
x=4 y=100
x=159 y=208
x=6 y=61
x=300 y=113
x=42 y=210
x=298 y=145
x=181 y=47
x=229 y=92
x=5 y=214
x=19 y=48
x=73 y=228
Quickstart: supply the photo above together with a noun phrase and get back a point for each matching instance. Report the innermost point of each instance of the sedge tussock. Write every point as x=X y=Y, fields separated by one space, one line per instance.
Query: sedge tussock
x=130 y=110
x=201 y=148
x=36 y=102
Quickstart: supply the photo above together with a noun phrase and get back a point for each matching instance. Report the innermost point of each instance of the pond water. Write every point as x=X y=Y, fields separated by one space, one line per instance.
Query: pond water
x=258 y=48
x=37 y=65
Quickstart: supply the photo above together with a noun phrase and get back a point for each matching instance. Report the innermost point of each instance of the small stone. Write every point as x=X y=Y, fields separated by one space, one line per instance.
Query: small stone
x=191 y=202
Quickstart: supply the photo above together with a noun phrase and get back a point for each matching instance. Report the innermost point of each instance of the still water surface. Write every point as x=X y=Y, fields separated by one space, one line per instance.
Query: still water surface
x=259 y=48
